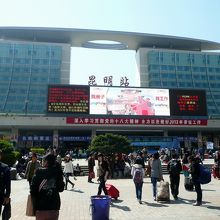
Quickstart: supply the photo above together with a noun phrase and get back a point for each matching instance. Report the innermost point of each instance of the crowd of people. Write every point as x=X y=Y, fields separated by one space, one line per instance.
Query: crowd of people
x=50 y=176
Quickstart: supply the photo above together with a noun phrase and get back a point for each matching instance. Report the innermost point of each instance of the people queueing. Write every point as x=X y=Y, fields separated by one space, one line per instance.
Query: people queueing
x=174 y=168
x=5 y=189
x=46 y=185
x=68 y=170
x=194 y=170
x=137 y=173
x=156 y=173
x=103 y=174
x=32 y=166
x=91 y=164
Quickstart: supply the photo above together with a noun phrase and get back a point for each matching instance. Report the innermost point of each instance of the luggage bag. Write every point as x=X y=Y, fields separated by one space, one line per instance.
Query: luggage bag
x=163 y=192
x=215 y=171
x=112 y=191
x=188 y=183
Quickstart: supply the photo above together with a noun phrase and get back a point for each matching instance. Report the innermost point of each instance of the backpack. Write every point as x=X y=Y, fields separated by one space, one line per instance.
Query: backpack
x=174 y=168
x=205 y=175
x=138 y=175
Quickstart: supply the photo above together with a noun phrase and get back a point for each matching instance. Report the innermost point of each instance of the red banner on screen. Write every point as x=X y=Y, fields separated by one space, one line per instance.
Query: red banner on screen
x=136 y=121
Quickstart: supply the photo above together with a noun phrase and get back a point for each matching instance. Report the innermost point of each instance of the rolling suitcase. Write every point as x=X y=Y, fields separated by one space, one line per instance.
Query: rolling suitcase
x=188 y=184
x=112 y=191
x=163 y=192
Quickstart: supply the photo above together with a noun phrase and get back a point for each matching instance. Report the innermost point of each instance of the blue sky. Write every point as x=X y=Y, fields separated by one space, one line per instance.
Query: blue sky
x=187 y=18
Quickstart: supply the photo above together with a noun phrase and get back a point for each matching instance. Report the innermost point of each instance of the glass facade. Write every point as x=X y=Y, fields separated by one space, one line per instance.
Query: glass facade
x=184 y=70
x=26 y=69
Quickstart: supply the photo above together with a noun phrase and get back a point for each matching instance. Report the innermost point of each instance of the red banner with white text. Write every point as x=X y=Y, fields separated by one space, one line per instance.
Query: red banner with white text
x=136 y=121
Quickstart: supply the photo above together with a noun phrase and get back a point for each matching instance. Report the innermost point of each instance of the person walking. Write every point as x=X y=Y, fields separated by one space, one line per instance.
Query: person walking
x=103 y=175
x=174 y=168
x=156 y=172
x=46 y=185
x=32 y=166
x=137 y=173
x=91 y=164
x=5 y=189
x=194 y=170
x=68 y=171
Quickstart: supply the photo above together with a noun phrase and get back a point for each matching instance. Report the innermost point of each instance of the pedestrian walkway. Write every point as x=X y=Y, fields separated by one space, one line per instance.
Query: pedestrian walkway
x=76 y=202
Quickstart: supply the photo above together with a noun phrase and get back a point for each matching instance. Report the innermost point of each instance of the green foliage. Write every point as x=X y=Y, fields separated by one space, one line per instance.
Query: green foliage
x=40 y=151
x=110 y=143
x=9 y=156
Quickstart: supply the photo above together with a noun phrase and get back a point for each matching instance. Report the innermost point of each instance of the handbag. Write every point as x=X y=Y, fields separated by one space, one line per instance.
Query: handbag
x=91 y=175
x=30 y=207
x=6 y=214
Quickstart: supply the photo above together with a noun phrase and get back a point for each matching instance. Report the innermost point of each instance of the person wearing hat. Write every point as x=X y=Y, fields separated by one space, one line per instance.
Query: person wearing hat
x=32 y=166
x=104 y=172
x=137 y=173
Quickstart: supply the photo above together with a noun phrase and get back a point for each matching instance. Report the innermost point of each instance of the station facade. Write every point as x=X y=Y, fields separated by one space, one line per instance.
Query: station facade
x=37 y=58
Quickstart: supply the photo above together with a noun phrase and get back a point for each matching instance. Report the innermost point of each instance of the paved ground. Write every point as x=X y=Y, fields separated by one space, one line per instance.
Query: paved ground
x=76 y=202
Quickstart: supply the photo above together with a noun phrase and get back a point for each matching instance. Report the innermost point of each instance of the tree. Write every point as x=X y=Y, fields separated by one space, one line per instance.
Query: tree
x=110 y=143
x=9 y=155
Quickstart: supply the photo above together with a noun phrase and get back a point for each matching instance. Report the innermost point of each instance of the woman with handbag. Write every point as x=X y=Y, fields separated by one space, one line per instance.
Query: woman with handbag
x=45 y=187
x=68 y=171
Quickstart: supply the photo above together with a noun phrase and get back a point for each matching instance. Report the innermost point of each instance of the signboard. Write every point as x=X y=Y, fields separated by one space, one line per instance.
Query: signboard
x=68 y=99
x=123 y=101
x=188 y=102
x=135 y=121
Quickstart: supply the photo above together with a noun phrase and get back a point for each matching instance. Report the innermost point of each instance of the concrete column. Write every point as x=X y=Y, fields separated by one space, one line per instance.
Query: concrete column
x=55 y=138
x=93 y=133
x=199 y=138
x=165 y=133
x=14 y=135
x=216 y=141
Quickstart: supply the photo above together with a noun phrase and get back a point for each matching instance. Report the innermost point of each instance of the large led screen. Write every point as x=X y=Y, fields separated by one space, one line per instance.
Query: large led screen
x=68 y=99
x=188 y=102
x=94 y=100
x=129 y=101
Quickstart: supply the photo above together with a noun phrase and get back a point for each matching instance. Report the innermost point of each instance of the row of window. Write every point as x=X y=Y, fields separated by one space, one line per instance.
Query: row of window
x=175 y=84
x=25 y=61
x=154 y=67
x=20 y=108
x=29 y=70
x=184 y=76
x=187 y=58
x=28 y=50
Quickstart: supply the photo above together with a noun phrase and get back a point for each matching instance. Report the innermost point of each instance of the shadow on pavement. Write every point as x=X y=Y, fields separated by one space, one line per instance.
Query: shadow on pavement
x=76 y=190
x=213 y=207
x=114 y=205
x=154 y=204
x=186 y=201
x=208 y=190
